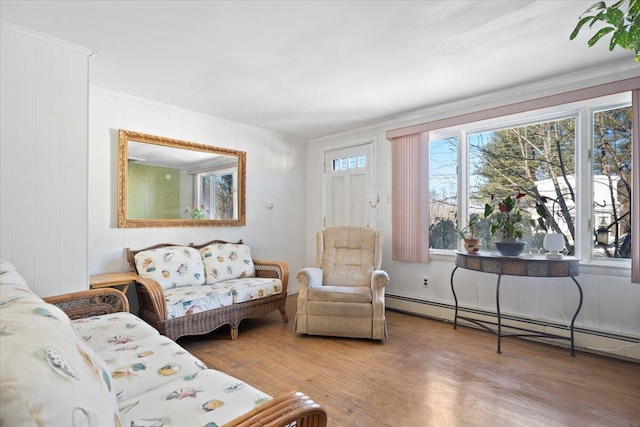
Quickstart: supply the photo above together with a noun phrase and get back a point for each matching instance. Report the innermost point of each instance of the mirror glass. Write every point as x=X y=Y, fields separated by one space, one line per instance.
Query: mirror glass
x=164 y=182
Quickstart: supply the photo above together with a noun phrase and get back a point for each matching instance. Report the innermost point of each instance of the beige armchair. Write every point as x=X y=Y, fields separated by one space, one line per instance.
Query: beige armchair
x=344 y=295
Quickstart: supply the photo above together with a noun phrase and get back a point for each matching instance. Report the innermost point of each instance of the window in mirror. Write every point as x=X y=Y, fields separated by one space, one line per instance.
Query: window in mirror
x=218 y=193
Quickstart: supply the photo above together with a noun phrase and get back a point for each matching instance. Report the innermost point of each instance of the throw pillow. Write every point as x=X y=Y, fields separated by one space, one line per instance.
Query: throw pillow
x=225 y=261
x=172 y=267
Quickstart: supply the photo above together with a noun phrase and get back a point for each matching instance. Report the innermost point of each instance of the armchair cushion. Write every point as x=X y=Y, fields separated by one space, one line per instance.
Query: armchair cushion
x=172 y=266
x=359 y=294
x=225 y=261
x=348 y=256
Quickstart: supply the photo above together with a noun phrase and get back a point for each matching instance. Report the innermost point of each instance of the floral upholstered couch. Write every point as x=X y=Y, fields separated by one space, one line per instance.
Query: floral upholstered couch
x=194 y=289
x=110 y=368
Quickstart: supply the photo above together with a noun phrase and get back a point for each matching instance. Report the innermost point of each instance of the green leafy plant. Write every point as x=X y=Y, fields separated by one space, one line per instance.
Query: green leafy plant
x=543 y=214
x=469 y=232
x=506 y=219
x=197 y=213
x=621 y=18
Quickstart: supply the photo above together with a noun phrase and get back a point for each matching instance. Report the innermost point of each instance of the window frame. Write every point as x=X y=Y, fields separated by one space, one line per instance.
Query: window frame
x=213 y=173
x=582 y=111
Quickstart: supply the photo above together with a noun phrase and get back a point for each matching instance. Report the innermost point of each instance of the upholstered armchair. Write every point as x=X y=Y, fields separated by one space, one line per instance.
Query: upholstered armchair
x=344 y=295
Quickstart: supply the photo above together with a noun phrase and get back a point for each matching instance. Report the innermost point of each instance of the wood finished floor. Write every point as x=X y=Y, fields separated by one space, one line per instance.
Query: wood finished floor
x=427 y=374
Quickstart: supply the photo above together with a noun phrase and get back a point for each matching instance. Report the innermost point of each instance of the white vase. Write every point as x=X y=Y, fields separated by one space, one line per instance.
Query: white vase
x=554 y=243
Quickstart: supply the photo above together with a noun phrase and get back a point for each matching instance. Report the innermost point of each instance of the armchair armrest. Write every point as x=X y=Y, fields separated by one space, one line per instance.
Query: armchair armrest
x=309 y=277
x=93 y=302
x=273 y=269
x=282 y=411
x=379 y=279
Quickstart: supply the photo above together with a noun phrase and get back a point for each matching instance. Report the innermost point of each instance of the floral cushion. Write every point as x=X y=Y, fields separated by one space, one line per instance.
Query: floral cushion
x=224 y=261
x=246 y=289
x=48 y=375
x=110 y=330
x=146 y=364
x=6 y=266
x=210 y=398
x=172 y=266
x=195 y=299
x=9 y=274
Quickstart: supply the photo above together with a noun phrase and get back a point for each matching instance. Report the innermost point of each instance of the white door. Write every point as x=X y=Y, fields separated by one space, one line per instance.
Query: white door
x=350 y=197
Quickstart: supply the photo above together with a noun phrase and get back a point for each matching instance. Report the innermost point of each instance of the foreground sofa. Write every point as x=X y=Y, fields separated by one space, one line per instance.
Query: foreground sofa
x=194 y=289
x=74 y=360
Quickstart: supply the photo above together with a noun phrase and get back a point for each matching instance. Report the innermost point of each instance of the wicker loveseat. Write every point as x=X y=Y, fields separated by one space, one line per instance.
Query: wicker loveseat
x=177 y=300
x=81 y=359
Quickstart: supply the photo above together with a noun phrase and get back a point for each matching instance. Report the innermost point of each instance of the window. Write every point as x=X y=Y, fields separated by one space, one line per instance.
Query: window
x=611 y=163
x=537 y=153
x=351 y=162
x=536 y=159
x=217 y=193
x=443 y=193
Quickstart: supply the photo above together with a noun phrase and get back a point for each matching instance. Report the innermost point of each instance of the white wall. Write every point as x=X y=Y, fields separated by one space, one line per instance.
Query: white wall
x=610 y=300
x=275 y=174
x=43 y=160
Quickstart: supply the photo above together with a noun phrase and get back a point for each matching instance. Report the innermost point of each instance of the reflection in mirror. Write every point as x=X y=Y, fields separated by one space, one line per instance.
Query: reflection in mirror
x=164 y=182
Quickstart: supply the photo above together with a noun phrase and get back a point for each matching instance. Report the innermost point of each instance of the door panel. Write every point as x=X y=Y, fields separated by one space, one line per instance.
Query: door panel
x=337 y=206
x=349 y=186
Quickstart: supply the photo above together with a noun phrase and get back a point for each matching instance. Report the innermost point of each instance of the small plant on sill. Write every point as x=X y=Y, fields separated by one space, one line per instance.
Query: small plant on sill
x=469 y=232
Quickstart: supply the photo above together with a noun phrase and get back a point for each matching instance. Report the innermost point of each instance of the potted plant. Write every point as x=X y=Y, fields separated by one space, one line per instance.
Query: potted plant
x=506 y=221
x=468 y=234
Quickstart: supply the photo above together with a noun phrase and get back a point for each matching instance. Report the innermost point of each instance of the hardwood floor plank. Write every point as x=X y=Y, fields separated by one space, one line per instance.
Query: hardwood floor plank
x=428 y=374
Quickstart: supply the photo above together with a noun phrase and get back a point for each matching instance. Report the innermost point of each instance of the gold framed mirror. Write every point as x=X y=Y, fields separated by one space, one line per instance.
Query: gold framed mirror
x=164 y=182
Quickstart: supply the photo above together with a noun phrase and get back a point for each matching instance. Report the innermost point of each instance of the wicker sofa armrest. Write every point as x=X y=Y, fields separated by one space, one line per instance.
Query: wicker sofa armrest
x=93 y=302
x=273 y=269
x=282 y=411
x=151 y=296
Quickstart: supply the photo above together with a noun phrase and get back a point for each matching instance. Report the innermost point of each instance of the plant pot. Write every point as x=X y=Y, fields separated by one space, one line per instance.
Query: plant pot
x=472 y=246
x=510 y=248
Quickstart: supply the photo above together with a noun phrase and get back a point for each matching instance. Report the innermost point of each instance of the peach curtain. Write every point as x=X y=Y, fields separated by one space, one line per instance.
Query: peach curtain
x=410 y=208
x=635 y=190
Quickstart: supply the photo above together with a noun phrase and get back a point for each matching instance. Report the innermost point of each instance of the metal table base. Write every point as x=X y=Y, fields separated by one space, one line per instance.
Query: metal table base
x=517 y=266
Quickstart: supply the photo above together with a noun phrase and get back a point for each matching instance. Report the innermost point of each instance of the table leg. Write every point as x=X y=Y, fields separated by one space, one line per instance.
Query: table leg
x=573 y=321
x=498 y=310
x=455 y=298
